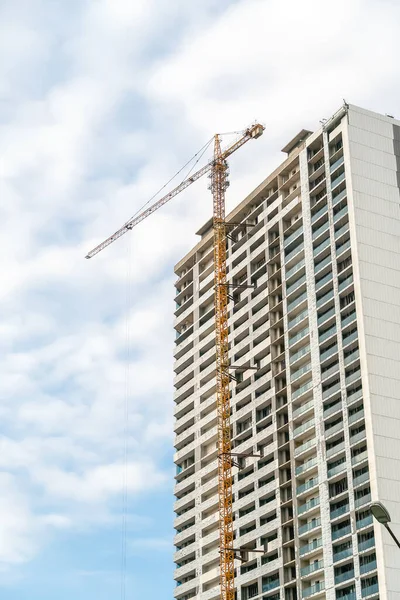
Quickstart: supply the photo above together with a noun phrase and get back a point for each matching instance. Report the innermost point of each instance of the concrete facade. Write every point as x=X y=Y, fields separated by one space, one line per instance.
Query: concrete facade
x=321 y=246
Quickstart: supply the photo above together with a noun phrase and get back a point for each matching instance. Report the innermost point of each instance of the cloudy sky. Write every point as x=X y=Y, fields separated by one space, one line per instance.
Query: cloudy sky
x=101 y=101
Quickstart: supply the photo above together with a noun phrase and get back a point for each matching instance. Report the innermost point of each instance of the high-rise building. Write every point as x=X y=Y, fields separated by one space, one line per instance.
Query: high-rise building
x=316 y=339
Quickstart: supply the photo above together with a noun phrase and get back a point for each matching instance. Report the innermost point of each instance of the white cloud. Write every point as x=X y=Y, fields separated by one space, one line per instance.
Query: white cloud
x=101 y=104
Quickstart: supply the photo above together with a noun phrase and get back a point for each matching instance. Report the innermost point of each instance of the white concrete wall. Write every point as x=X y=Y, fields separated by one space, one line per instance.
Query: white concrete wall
x=374 y=213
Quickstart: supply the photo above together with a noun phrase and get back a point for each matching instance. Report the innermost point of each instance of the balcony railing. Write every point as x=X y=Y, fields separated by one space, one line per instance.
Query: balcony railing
x=292 y=236
x=309 y=444
x=302 y=352
x=325 y=298
x=339 y=197
x=296 y=301
x=319 y=213
x=297 y=319
x=361 y=479
x=346 y=282
x=296 y=374
x=321 y=246
x=305 y=466
x=366 y=544
x=351 y=317
x=308 y=505
x=367 y=567
x=343 y=211
x=295 y=251
x=340 y=511
x=335 y=449
x=321 y=229
x=344 y=576
x=338 y=469
x=309 y=526
x=342 y=247
x=310 y=547
x=338 y=533
x=321 y=282
x=353 y=356
x=342 y=554
x=326 y=315
x=307 y=486
x=270 y=585
x=313 y=589
x=335 y=182
x=326 y=261
x=337 y=164
x=298 y=336
x=301 y=390
x=366 y=499
x=315 y=566
x=327 y=334
x=369 y=590
x=355 y=416
x=304 y=427
x=331 y=390
x=295 y=284
x=364 y=522
x=295 y=268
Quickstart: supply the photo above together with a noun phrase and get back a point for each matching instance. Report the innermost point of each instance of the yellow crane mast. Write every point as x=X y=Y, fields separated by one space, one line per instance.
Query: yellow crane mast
x=218 y=170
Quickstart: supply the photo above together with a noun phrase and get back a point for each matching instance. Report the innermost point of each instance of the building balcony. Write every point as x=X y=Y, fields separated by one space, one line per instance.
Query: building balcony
x=337 y=180
x=336 y=199
x=321 y=229
x=366 y=522
x=312 y=568
x=298 y=319
x=309 y=506
x=313 y=590
x=303 y=351
x=342 y=247
x=368 y=567
x=346 y=553
x=335 y=449
x=337 y=470
x=325 y=354
x=362 y=501
x=366 y=544
x=305 y=487
x=297 y=267
x=322 y=246
x=338 y=512
x=302 y=390
x=306 y=466
x=311 y=547
x=333 y=409
x=344 y=576
x=297 y=431
x=342 y=532
x=321 y=212
x=314 y=524
x=303 y=409
x=319 y=266
x=370 y=590
x=308 y=446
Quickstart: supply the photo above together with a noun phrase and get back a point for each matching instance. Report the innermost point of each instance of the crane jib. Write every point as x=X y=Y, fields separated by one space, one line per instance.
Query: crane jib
x=252 y=132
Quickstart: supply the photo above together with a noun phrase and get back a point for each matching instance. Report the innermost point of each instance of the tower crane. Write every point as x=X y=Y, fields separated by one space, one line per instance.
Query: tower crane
x=218 y=171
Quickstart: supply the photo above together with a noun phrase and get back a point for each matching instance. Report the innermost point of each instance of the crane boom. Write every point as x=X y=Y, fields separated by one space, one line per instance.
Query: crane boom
x=219 y=182
x=251 y=132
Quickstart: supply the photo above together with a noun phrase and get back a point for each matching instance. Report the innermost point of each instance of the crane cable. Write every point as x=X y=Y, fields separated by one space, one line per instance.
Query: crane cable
x=124 y=510
x=198 y=156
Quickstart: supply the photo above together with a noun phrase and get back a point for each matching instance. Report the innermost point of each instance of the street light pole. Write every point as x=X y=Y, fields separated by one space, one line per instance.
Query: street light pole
x=381 y=514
